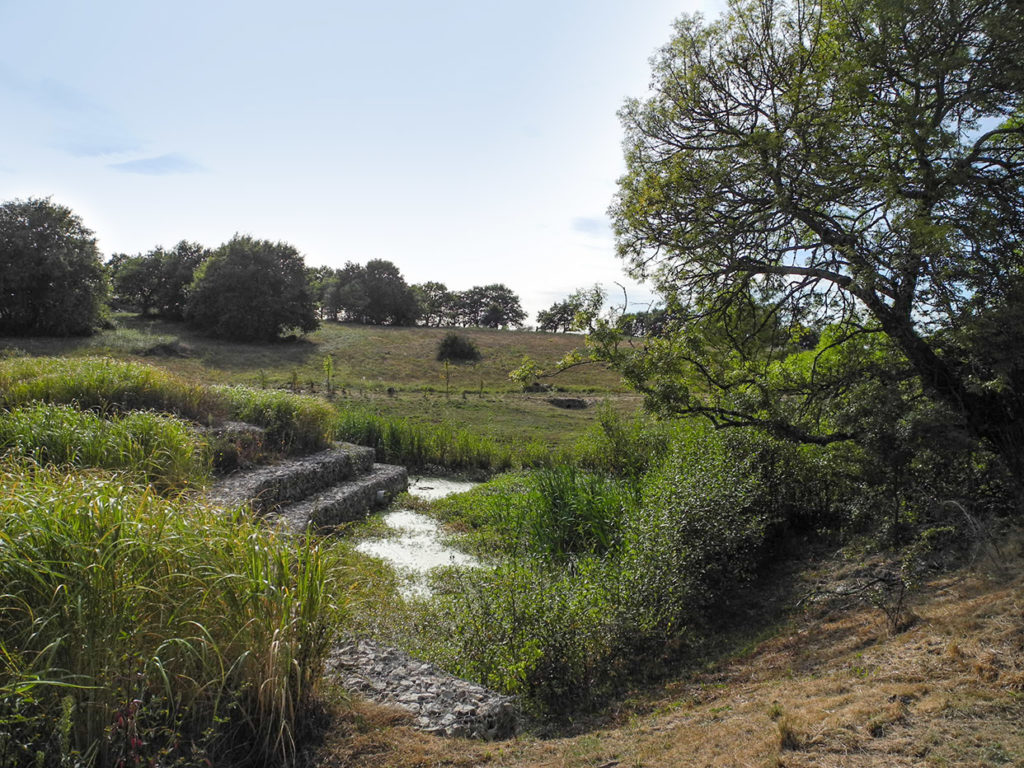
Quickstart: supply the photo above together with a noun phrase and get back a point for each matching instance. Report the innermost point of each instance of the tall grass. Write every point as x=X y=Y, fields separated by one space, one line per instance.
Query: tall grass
x=577 y=512
x=140 y=631
x=160 y=449
x=419 y=445
x=294 y=423
x=105 y=385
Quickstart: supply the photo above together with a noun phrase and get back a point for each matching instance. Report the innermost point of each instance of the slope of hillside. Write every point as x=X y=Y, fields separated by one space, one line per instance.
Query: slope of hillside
x=834 y=688
x=391 y=370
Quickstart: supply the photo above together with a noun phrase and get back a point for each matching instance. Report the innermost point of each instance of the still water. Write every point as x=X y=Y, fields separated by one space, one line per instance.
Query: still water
x=417 y=547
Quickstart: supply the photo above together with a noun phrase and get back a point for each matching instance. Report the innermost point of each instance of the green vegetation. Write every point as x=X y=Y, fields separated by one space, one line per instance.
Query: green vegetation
x=51 y=278
x=368 y=361
x=602 y=577
x=251 y=290
x=163 y=450
x=138 y=630
x=457 y=349
x=842 y=278
x=104 y=385
x=765 y=232
x=158 y=281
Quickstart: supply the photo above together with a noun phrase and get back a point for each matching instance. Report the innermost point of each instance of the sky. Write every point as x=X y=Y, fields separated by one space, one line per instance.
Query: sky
x=468 y=141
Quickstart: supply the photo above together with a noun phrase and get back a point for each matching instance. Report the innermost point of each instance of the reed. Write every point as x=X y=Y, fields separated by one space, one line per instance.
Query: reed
x=141 y=630
x=421 y=445
x=104 y=385
x=294 y=423
x=159 y=449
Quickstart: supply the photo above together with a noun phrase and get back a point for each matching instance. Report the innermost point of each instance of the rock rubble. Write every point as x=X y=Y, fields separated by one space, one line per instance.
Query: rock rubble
x=440 y=703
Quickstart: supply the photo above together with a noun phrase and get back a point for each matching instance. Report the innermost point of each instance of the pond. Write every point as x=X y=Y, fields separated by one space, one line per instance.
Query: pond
x=417 y=546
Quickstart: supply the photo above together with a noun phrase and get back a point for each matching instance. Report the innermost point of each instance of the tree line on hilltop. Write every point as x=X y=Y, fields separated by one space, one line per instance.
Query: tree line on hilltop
x=54 y=282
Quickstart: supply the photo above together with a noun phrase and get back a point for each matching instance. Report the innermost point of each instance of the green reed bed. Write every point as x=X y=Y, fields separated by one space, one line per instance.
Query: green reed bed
x=294 y=423
x=104 y=384
x=421 y=445
x=160 y=449
x=135 y=630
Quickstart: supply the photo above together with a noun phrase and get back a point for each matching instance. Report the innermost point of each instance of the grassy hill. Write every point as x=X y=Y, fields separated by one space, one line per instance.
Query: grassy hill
x=392 y=370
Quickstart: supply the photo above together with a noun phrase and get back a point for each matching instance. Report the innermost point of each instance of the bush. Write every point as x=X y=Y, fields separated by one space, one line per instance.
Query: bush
x=712 y=514
x=457 y=349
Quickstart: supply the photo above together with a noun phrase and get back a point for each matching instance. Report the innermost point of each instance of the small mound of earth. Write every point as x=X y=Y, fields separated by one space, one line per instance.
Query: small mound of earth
x=570 y=403
x=168 y=349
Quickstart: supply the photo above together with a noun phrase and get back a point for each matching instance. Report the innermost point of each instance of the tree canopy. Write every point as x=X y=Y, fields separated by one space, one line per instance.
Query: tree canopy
x=251 y=290
x=158 y=281
x=855 y=167
x=52 y=281
x=575 y=313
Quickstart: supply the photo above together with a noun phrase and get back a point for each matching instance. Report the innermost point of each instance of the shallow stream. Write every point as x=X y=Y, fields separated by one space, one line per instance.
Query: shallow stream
x=417 y=547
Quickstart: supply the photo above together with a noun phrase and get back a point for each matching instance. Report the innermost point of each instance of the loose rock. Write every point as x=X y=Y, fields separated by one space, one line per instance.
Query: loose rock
x=441 y=704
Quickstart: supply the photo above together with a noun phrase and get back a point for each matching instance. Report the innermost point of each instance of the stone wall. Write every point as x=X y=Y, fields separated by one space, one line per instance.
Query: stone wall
x=439 y=703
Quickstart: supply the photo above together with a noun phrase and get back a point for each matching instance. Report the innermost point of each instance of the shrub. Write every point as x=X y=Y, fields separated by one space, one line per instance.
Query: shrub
x=455 y=348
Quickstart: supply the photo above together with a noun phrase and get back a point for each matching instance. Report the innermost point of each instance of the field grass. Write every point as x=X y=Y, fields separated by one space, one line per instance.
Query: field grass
x=365 y=357
x=368 y=362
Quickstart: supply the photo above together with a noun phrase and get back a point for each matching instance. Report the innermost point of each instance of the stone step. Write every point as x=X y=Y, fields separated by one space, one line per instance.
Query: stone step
x=344 y=502
x=271 y=487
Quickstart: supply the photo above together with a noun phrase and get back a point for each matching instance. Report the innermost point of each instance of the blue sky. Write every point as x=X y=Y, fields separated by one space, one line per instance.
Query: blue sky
x=468 y=142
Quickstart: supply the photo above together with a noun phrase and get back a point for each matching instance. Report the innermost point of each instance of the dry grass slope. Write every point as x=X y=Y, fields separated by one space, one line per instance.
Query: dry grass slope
x=369 y=361
x=836 y=689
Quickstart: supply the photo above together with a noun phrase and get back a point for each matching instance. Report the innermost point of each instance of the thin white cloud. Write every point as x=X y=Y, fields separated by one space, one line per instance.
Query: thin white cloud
x=161 y=165
x=595 y=226
x=80 y=125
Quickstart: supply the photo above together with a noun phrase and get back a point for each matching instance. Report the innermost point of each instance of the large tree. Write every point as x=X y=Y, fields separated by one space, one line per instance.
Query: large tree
x=251 y=290
x=52 y=281
x=856 y=165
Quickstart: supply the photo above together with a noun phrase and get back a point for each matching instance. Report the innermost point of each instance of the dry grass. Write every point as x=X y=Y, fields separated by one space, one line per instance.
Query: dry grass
x=836 y=689
x=368 y=361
